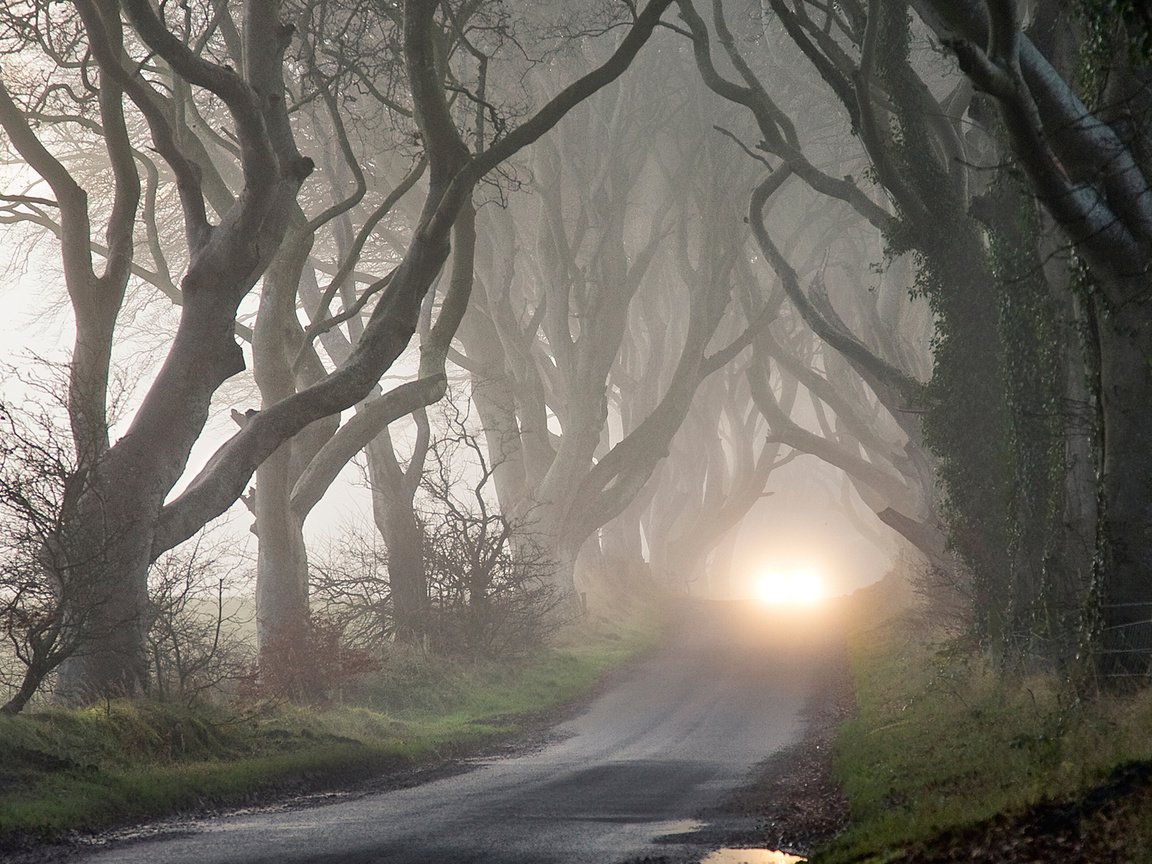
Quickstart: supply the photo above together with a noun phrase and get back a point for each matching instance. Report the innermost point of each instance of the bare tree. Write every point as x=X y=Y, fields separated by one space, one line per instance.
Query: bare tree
x=923 y=182
x=37 y=465
x=581 y=312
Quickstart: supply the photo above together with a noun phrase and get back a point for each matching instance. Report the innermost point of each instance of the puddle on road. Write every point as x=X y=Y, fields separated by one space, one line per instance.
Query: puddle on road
x=751 y=856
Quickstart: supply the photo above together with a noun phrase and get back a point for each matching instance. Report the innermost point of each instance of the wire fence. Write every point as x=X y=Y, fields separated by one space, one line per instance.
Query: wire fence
x=1125 y=647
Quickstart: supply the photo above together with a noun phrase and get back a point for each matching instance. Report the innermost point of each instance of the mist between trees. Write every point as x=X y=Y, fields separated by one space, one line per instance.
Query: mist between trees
x=660 y=251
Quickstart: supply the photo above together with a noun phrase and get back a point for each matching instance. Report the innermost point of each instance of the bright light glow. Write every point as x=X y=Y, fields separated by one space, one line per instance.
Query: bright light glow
x=797 y=587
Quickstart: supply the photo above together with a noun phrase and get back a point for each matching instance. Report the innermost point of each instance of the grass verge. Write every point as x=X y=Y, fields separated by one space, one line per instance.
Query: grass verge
x=946 y=760
x=126 y=761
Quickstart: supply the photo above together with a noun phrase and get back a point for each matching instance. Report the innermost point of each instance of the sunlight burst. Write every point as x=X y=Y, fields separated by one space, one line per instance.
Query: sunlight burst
x=797 y=587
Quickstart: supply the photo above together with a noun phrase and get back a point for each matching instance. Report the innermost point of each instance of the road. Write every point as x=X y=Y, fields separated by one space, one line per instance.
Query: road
x=639 y=763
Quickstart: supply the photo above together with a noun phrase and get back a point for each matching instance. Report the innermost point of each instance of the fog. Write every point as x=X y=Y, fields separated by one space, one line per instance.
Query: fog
x=739 y=293
x=562 y=413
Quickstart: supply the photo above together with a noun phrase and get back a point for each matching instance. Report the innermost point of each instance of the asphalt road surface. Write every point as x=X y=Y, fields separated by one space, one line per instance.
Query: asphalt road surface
x=639 y=763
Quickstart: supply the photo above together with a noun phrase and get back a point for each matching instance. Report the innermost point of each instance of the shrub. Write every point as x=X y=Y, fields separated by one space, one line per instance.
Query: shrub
x=316 y=667
x=489 y=584
x=195 y=642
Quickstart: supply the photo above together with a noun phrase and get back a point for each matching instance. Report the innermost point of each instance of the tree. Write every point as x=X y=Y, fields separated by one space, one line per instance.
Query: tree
x=123 y=517
x=124 y=483
x=1093 y=182
x=293 y=480
x=36 y=464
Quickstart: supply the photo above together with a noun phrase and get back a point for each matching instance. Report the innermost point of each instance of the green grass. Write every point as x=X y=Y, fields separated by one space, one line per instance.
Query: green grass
x=940 y=742
x=129 y=760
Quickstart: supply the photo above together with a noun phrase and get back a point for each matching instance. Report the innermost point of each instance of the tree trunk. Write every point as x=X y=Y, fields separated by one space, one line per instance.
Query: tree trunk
x=108 y=612
x=395 y=519
x=282 y=560
x=104 y=548
x=624 y=569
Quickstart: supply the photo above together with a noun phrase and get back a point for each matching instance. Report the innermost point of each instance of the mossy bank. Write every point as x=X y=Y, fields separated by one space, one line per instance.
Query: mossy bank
x=948 y=759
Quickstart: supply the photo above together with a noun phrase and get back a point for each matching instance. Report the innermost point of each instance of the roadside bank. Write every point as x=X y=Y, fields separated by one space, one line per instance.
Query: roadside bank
x=68 y=776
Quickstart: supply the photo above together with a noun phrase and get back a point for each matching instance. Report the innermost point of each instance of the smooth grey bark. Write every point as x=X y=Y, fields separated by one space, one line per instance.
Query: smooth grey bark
x=282 y=561
x=283 y=363
x=393 y=489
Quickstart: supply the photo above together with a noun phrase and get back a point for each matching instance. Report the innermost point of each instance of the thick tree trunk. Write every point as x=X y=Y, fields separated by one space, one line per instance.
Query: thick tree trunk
x=1083 y=464
x=109 y=614
x=282 y=560
x=104 y=548
x=119 y=522
x=407 y=580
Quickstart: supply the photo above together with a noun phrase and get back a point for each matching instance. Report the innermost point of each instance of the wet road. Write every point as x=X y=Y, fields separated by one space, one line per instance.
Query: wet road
x=639 y=763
